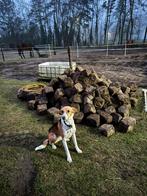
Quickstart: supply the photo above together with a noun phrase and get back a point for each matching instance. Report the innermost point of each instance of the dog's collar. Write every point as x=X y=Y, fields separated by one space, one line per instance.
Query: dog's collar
x=68 y=125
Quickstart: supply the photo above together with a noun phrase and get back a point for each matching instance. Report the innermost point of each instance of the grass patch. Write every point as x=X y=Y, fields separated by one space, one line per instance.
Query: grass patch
x=108 y=166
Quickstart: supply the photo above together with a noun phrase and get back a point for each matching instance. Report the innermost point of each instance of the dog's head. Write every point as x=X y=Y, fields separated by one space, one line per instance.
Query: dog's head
x=67 y=112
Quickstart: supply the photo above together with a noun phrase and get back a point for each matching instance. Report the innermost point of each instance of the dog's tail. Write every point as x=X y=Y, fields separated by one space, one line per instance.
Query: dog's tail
x=42 y=146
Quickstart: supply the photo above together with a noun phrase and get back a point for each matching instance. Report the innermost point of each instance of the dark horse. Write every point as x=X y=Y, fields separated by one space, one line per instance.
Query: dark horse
x=26 y=47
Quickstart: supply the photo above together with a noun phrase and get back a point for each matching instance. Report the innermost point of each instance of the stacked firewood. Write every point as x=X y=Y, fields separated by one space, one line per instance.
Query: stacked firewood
x=99 y=102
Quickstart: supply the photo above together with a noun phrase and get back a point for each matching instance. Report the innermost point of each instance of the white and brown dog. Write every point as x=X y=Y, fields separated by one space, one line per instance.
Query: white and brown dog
x=63 y=130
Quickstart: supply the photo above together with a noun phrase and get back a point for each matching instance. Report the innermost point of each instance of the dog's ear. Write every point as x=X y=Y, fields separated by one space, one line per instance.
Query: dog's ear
x=60 y=111
x=74 y=110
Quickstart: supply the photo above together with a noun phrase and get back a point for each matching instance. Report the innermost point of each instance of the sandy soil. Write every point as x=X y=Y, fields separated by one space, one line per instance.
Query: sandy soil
x=132 y=67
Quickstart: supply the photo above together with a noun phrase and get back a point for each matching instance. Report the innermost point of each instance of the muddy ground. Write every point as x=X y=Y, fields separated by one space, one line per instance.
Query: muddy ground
x=116 y=67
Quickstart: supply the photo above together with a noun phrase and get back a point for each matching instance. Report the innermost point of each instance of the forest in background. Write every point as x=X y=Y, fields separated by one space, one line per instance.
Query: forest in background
x=72 y=22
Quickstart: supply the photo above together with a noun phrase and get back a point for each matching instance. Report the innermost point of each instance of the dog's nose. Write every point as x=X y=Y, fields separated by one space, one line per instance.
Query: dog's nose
x=63 y=117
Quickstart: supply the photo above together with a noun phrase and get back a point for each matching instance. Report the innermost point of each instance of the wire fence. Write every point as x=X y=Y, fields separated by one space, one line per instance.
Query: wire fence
x=77 y=52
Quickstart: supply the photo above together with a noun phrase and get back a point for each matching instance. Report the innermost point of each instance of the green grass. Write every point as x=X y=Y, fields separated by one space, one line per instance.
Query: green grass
x=108 y=166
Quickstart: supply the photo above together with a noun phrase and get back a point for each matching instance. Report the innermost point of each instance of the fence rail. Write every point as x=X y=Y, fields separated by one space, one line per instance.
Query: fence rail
x=48 y=51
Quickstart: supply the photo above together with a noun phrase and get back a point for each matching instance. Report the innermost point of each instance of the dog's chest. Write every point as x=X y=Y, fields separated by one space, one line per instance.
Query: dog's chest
x=68 y=133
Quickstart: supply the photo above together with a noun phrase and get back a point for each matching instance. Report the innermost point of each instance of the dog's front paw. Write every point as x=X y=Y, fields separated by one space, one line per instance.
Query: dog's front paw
x=79 y=151
x=69 y=159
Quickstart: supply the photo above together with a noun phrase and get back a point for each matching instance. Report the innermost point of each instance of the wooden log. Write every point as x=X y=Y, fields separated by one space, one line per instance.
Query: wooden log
x=93 y=120
x=107 y=130
x=41 y=99
x=133 y=101
x=68 y=82
x=125 y=89
x=77 y=98
x=111 y=109
x=62 y=77
x=55 y=83
x=123 y=98
x=58 y=93
x=42 y=109
x=56 y=117
x=133 y=86
x=127 y=124
x=87 y=100
x=79 y=68
x=98 y=102
x=89 y=89
x=52 y=111
x=78 y=87
x=69 y=92
x=63 y=101
x=76 y=105
x=124 y=110
x=103 y=90
x=48 y=90
x=104 y=117
x=114 y=88
x=31 y=105
x=78 y=117
x=86 y=72
x=116 y=118
x=75 y=76
x=89 y=108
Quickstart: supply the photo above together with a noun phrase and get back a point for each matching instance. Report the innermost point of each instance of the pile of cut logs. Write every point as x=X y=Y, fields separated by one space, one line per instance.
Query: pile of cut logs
x=99 y=102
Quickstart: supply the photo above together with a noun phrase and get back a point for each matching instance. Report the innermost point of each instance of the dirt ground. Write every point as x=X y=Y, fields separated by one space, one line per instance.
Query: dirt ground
x=116 y=67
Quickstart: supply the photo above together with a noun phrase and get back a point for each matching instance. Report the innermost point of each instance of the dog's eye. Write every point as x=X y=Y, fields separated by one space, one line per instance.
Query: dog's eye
x=68 y=111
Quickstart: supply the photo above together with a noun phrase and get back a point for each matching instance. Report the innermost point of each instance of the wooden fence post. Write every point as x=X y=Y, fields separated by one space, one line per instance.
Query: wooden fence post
x=2 y=54
x=69 y=57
